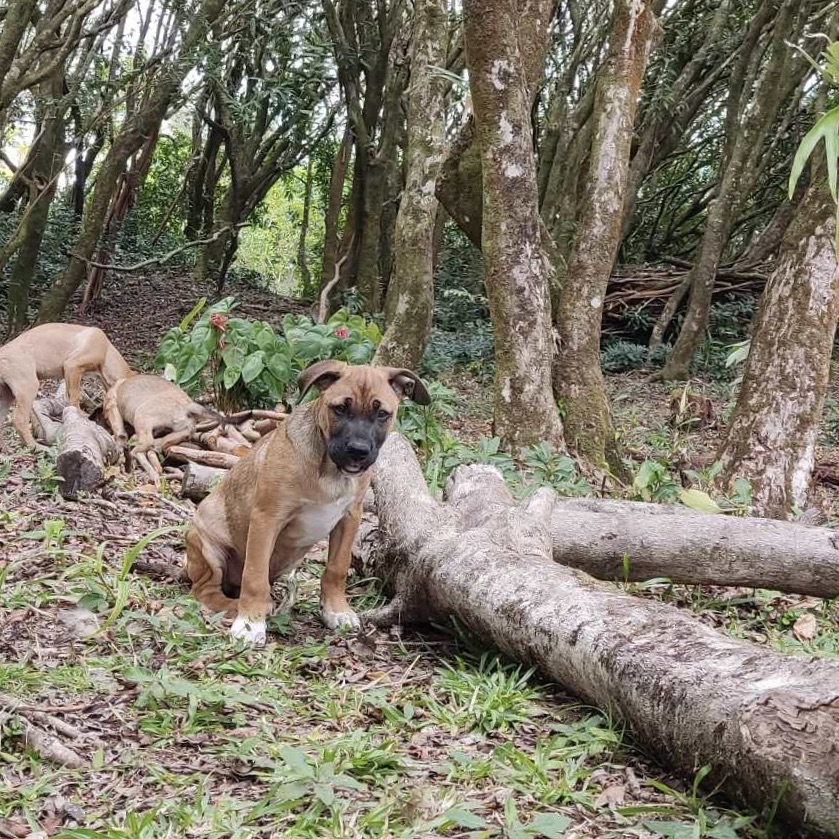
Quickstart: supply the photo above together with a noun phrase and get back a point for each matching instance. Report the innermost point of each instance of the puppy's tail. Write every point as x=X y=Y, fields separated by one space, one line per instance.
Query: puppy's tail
x=197 y=411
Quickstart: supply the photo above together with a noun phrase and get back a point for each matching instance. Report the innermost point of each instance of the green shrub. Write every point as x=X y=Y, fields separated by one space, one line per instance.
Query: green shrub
x=245 y=362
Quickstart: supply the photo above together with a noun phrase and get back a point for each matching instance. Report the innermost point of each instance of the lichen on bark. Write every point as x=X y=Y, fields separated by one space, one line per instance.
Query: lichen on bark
x=579 y=380
x=410 y=297
x=518 y=274
x=773 y=432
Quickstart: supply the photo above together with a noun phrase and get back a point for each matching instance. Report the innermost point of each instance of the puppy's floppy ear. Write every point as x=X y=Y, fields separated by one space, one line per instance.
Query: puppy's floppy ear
x=407 y=383
x=320 y=375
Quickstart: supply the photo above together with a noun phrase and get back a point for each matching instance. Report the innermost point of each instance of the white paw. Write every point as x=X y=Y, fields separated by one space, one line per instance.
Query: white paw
x=341 y=620
x=248 y=630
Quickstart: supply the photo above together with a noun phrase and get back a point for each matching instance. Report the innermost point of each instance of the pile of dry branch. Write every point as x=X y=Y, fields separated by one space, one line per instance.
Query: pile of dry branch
x=216 y=447
x=633 y=286
x=86 y=449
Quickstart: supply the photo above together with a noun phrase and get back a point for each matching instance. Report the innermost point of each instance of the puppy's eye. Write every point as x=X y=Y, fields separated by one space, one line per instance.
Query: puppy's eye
x=383 y=416
x=340 y=410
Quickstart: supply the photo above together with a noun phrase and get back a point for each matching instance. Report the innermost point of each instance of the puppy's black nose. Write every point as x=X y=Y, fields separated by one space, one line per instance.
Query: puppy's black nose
x=358 y=449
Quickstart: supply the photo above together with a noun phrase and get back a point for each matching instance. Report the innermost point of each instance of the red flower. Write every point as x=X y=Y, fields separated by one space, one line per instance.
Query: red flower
x=219 y=321
x=342 y=332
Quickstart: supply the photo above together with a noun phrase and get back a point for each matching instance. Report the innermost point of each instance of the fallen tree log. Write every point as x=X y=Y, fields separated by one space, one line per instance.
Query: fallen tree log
x=85 y=449
x=767 y=724
x=198 y=480
x=633 y=541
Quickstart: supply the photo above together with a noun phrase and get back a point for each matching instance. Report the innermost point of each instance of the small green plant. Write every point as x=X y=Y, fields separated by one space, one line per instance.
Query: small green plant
x=548 y=467
x=245 y=362
x=653 y=482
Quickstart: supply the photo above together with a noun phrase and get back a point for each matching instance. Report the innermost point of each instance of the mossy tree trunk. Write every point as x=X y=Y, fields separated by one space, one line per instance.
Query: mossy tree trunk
x=772 y=436
x=588 y=421
x=410 y=298
x=518 y=273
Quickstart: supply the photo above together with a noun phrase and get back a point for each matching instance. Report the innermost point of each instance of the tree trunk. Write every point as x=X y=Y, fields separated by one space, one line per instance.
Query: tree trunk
x=46 y=166
x=748 y=120
x=302 y=256
x=410 y=298
x=137 y=127
x=125 y=195
x=631 y=541
x=579 y=380
x=333 y=208
x=518 y=273
x=773 y=432
x=459 y=185
x=765 y=723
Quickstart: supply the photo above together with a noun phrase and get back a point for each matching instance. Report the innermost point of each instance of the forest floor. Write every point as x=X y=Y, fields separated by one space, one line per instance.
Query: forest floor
x=171 y=731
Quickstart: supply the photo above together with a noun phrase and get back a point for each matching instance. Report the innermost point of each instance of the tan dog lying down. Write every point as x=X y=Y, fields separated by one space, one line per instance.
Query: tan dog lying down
x=301 y=483
x=52 y=351
x=152 y=405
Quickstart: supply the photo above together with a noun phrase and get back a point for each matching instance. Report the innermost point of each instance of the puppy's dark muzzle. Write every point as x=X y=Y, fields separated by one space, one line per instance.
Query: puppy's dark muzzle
x=353 y=458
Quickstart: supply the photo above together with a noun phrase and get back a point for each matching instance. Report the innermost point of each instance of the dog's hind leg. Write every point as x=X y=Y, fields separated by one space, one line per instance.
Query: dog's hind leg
x=205 y=567
x=24 y=394
x=6 y=400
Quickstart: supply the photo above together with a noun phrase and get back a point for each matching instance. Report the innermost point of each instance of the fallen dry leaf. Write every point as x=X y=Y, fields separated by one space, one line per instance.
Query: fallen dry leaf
x=613 y=796
x=805 y=628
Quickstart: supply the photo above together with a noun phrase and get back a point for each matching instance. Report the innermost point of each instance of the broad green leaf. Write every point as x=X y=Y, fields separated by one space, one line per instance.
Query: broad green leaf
x=325 y=793
x=253 y=366
x=550 y=825
x=826 y=128
x=464 y=818
x=698 y=500
x=192 y=314
x=279 y=366
x=233 y=356
x=297 y=761
x=230 y=377
x=170 y=372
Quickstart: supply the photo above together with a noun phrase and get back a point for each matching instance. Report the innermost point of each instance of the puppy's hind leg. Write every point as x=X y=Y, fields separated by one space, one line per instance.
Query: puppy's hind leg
x=25 y=394
x=205 y=566
x=6 y=400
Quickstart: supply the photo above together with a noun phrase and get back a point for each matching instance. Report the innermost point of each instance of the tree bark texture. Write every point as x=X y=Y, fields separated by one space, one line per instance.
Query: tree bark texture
x=410 y=298
x=137 y=127
x=767 y=724
x=518 y=273
x=579 y=382
x=631 y=541
x=86 y=449
x=772 y=436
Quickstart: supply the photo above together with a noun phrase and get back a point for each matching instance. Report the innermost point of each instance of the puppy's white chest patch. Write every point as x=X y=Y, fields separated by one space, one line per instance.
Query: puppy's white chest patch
x=316 y=521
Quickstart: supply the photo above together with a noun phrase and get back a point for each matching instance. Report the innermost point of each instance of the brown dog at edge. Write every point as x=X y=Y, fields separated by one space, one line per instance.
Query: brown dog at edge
x=300 y=483
x=52 y=351
x=152 y=404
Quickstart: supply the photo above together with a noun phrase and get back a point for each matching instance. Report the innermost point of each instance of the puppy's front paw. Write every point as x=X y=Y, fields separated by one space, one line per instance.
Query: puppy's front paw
x=250 y=631
x=341 y=620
